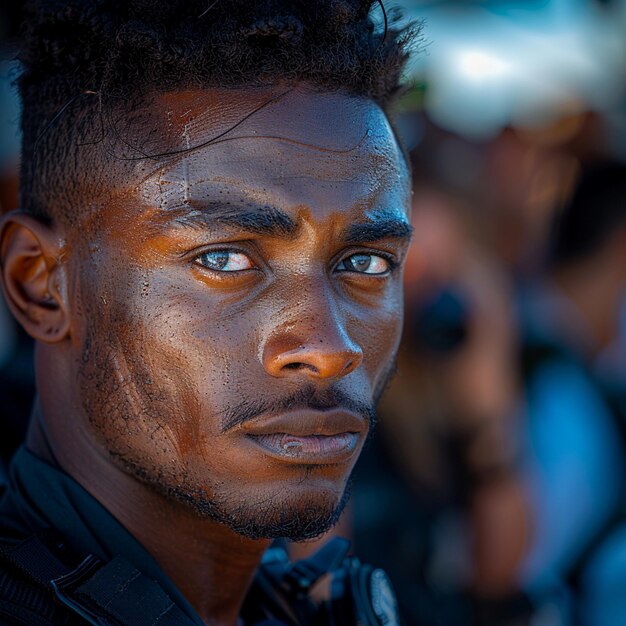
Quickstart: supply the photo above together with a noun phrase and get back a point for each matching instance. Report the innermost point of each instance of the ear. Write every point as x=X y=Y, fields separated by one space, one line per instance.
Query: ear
x=33 y=277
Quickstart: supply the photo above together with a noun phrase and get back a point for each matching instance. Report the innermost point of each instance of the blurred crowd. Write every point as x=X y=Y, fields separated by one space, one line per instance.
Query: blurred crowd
x=494 y=493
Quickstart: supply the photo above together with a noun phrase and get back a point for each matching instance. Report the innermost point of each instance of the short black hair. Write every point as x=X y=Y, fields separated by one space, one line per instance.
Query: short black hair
x=82 y=58
x=595 y=209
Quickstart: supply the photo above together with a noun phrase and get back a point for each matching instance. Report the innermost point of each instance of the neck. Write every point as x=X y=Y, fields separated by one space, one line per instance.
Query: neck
x=211 y=565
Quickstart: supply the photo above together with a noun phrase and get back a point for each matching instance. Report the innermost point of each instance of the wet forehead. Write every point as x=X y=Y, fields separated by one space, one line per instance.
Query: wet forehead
x=295 y=145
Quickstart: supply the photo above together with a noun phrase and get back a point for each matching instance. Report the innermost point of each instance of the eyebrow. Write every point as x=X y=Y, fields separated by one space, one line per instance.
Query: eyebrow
x=384 y=228
x=271 y=221
x=258 y=219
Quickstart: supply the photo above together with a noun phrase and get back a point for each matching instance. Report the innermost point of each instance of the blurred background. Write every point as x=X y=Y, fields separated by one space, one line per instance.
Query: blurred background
x=495 y=492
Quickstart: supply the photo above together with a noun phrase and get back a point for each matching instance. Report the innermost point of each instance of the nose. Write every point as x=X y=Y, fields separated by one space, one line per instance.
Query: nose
x=317 y=347
x=321 y=360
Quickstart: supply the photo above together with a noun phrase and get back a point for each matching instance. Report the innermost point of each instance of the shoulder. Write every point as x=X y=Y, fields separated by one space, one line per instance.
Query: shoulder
x=24 y=602
x=26 y=597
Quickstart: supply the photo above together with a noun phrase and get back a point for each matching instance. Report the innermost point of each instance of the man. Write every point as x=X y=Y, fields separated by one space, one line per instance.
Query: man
x=208 y=255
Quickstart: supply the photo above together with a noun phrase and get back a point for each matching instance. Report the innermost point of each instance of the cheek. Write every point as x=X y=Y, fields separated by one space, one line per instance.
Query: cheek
x=199 y=352
x=378 y=329
x=138 y=367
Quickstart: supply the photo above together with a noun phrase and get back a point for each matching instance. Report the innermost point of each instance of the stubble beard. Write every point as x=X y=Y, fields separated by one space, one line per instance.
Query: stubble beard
x=281 y=513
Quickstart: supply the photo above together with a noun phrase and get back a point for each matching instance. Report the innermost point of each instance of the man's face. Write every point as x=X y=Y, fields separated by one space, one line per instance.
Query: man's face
x=237 y=308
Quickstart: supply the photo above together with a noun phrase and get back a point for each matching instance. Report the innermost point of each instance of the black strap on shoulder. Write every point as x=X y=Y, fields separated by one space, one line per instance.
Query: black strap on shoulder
x=117 y=594
x=103 y=594
x=36 y=557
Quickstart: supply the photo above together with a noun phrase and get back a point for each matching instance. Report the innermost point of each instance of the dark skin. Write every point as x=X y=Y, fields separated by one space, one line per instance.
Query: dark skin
x=213 y=336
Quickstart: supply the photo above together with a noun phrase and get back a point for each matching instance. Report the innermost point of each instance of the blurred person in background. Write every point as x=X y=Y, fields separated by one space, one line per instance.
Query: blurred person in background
x=575 y=415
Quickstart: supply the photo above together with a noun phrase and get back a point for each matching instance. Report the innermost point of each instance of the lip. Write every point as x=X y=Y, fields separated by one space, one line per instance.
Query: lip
x=308 y=437
x=310 y=450
x=307 y=423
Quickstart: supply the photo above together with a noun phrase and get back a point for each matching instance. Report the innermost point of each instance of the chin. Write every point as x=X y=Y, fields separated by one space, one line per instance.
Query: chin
x=296 y=512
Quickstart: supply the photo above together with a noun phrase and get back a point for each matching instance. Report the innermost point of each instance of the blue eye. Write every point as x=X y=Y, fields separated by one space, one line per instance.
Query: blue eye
x=225 y=261
x=365 y=264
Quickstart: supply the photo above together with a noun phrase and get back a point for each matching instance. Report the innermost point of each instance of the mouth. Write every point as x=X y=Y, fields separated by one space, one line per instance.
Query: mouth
x=311 y=437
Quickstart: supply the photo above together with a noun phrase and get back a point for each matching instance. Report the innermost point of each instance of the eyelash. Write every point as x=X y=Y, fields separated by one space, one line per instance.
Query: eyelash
x=256 y=265
x=391 y=261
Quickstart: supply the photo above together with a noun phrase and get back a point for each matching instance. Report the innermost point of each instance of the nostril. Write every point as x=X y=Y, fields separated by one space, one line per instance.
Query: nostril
x=299 y=366
x=331 y=360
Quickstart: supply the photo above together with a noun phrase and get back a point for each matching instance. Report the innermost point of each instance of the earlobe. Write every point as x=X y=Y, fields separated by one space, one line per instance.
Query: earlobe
x=33 y=277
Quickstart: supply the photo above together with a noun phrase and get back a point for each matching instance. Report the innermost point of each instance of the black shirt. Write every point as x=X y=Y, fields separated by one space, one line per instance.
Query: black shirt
x=39 y=496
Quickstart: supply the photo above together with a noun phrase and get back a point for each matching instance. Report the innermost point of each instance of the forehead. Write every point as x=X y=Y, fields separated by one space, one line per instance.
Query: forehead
x=290 y=146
